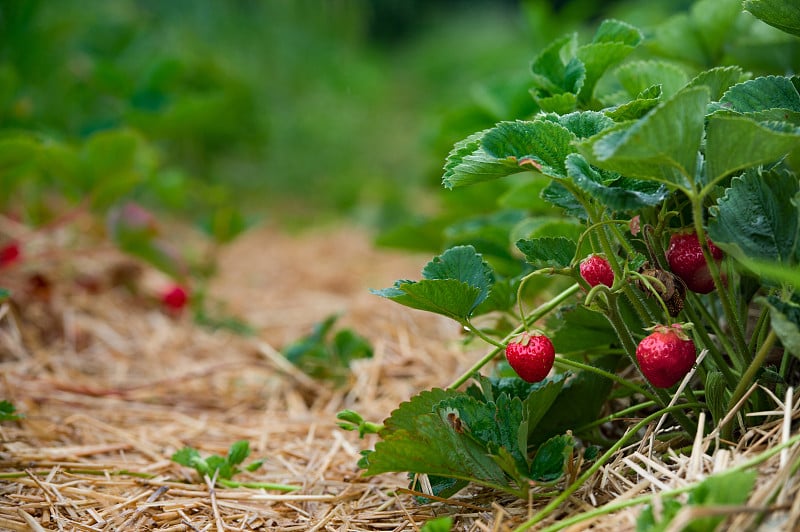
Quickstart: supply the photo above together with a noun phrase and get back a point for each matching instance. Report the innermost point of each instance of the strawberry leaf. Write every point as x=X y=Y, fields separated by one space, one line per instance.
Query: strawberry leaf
x=638 y=76
x=544 y=142
x=551 y=458
x=580 y=329
x=758 y=217
x=454 y=284
x=469 y=163
x=782 y=14
x=615 y=192
x=718 y=80
x=636 y=108
x=785 y=317
x=545 y=252
x=661 y=146
x=238 y=452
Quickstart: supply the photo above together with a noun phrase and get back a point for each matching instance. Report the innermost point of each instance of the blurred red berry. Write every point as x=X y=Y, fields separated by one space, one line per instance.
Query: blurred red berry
x=175 y=298
x=9 y=254
x=686 y=260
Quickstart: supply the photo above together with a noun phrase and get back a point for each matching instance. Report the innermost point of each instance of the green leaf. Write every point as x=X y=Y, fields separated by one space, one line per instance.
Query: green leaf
x=636 y=108
x=782 y=14
x=769 y=269
x=551 y=458
x=238 y=452
x=542 y=141
x=186 y=456
x=737 y=142
x=454 y=284
x=757 y=218
x=440 y=524
x=661 y=146
x=548 y=252
x=468 y=163
x=440 y=486
x=4 y=294
x=732 y=489
x=584 y=124
x=421 y=437
x=785 y=316
x=551 y=74
x=718 y=80
x=224 y=224
x=8 y=412
x=558 y=195
x=617 y=31
x=577 y=329
x=597 y=57
x=637 y=76
x=615 y=192
x=557 y=103
x=768 y=92
x=716 y=398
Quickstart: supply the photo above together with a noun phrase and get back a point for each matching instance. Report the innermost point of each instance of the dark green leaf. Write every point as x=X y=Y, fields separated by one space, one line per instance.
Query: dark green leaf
x=447 y=297
x=718 y=80
x=577 y=329
x=597 y=57
x=782 y=14
x=548 y=252
x=758 y=217
x=636 y=108
x=238 y=452
x=551 y=458
x=461 y=263
x=186 y=456
x=737 y=142
x=440 y=486
x=661 y=146
x=584 y=124
x=617 y=193
x=769 y=92
x=550 y=74
x=8 y=412
x=558 y=195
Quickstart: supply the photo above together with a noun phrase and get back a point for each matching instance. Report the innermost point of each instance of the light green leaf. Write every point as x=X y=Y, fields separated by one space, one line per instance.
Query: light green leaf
x=615 y=192
x=758 y=217
x=440 y=524
x=238 y=452
x=737 y=142
x=548 y=252
x=785 y=320
x=551 y=74
x=636 y=108
x=468 y=163
x=661 y=146
x=782 y=14
x=563 y=103
x=617 y=31
x=542 y=141
x=718 y=80
x=732 y=488
x=584 y=124
x=597 y=57
x=637 y=76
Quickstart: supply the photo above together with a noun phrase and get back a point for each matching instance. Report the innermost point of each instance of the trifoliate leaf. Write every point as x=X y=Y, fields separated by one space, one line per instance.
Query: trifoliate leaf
x=759 y=217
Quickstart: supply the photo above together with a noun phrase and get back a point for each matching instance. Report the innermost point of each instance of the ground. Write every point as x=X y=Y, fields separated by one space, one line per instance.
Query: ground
x=111 y=386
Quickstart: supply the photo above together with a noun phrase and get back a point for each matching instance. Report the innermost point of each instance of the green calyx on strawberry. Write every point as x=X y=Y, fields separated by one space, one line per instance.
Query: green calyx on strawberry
x=596 y=270
x=531 y=356
x=686 y=260
x=666 y=355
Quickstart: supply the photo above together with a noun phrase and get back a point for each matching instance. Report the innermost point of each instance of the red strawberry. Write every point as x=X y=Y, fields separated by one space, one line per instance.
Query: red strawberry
x=685 y=257
x=531 y=356
x=596 y=270
x=175 y=298
x=666 y=355
x=9 y=254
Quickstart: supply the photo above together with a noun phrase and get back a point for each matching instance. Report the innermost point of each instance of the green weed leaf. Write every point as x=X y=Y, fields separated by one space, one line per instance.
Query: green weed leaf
x=453 y=284
x=546 y=252
x=615 y=192
x=724 y=489
x=782 y=14
x=661 y=146
x=440 y=524
x=8 y=412
x=758 y=217
x=238 y=452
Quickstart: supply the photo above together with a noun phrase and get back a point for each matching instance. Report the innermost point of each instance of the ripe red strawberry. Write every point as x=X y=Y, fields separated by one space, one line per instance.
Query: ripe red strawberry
x=175 y=298
x=9 y=254
x=596 y=270
x=666 y=355
x=531 y=356
x=685 y=258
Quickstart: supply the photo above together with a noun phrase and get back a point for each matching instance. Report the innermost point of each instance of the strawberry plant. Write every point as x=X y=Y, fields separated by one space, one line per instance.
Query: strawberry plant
x=679 y=182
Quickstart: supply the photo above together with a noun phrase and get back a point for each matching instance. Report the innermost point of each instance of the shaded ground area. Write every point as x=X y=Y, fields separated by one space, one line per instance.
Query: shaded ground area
x=111 y=387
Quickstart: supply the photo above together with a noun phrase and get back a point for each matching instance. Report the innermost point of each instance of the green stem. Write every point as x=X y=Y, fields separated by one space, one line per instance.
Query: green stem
x=555 y=503
x=535 y=315
x=616 y=378
x=727 y=306
x=709 y=344
x=696 y=303
x=747 y=380
x=616 y=415
x=483 y=336
x=257 y=485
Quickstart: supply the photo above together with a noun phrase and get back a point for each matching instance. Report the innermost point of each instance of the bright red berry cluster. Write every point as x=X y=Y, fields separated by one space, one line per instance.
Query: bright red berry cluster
x=686 y=260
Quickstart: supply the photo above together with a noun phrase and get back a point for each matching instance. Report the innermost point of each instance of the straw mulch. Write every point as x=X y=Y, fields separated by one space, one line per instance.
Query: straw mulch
x=111 y=386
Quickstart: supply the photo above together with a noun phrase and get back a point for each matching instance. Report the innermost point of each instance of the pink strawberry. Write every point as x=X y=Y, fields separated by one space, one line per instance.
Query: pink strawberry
x=686 y=260
x=531 y=356
x=596 y=270
x=666 y=355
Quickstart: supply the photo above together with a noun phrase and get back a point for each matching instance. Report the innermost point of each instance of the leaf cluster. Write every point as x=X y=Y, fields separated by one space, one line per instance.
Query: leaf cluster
x=215 y=466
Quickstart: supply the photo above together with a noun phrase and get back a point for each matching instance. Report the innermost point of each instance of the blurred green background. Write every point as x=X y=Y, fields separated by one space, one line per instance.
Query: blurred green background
x=298 y=111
